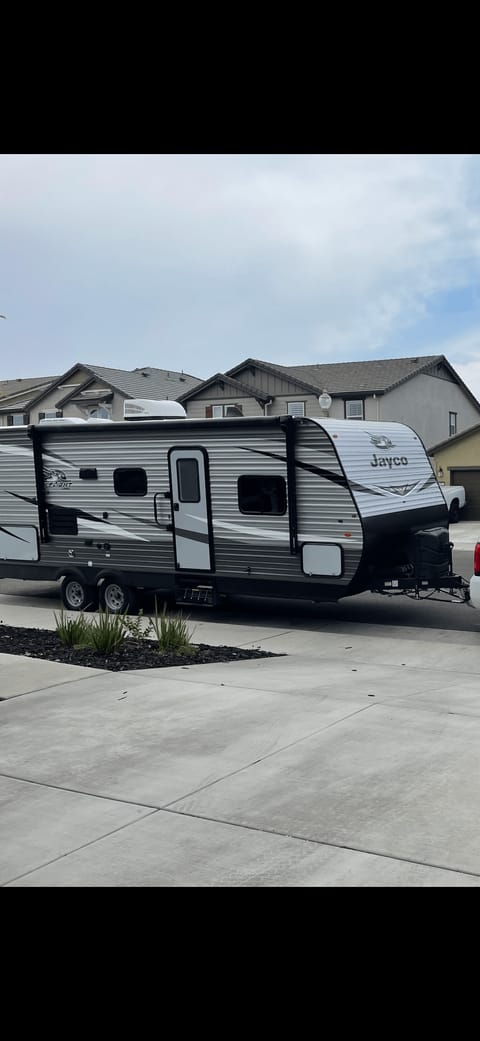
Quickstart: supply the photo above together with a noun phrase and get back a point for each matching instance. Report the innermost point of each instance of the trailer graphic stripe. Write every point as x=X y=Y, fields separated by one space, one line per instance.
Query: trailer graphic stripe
x=394 y=489
x=327 y=474
x=194 y=536
x=140 y=520
x=12 y=534
x=28 y=453
x=89 y=519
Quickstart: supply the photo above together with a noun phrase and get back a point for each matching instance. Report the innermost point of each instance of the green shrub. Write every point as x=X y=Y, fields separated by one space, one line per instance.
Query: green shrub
x=107 y=632
x=172 y=634
x=73 y=632
x=135 y=628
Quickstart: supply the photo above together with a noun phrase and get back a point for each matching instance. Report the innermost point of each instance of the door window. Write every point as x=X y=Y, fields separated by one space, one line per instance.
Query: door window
x=188 y=480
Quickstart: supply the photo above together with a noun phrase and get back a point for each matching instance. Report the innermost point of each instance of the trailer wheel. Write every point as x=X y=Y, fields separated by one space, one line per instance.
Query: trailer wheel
x=454 y=514
x=117 y=598
x=77 y=595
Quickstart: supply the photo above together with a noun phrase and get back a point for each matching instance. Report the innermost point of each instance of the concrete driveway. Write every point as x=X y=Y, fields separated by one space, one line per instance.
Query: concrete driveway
x=350 y=761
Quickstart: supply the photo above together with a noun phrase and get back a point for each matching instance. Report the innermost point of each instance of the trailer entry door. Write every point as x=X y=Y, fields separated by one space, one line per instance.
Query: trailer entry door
x=191 y=514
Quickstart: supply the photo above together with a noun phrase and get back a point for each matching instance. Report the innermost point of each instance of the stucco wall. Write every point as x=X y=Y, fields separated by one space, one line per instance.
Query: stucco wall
x=424 y=403
x=70 y=409
x=465 y=452
x=195 y=408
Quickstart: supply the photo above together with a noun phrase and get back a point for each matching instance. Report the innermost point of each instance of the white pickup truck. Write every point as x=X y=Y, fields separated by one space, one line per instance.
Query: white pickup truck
x=454 y=495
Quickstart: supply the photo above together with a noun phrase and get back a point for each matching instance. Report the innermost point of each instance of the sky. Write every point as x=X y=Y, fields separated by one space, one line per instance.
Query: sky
x=195 y=262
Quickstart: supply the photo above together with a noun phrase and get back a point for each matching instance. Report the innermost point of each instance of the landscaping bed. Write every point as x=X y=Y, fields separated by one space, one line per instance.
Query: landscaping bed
x=133 y=654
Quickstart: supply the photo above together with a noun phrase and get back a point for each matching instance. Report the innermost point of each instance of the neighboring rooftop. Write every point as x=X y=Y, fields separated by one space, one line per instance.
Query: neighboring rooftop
x=146 y=382
x=24 y=386
x=374 y=377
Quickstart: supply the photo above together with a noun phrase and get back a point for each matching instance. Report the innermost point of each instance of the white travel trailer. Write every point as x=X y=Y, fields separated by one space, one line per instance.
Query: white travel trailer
x=275 y=506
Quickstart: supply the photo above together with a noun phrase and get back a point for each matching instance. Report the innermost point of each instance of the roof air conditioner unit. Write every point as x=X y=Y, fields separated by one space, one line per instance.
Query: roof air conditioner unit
x=146 y=408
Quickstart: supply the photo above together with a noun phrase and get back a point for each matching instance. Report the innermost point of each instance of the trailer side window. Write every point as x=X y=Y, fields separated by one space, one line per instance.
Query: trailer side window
x=261 y=494
x=188 y=480
x=130 y=480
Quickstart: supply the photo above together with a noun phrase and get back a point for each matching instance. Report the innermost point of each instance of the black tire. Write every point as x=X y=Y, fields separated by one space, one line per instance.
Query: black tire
x=117 y=598
x=454 y=512
x=77 y=595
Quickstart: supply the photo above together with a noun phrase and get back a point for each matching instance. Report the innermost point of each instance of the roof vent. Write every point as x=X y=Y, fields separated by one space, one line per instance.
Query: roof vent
x=65 y=420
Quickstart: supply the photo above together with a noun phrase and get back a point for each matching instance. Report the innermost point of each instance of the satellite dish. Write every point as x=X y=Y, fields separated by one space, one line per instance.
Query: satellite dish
x=325 y=400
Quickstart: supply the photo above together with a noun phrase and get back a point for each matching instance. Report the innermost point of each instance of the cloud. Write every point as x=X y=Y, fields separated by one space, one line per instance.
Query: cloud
x=296 y=258
x=463 y=352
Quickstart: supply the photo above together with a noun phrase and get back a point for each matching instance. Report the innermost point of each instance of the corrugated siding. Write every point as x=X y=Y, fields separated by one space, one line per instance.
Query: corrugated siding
x=126 y=515
x=17 y=477
x=326 y=511
x=388 y=475
x=244 y=544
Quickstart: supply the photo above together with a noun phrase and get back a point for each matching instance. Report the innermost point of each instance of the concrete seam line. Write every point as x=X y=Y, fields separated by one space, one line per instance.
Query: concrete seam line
x=77 y=849
x=322 y=842
x=269 y=755
x=61 y=683
x=78 y=791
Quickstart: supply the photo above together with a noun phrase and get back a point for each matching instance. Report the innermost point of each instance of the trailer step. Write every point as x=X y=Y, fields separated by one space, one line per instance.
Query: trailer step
x=202 y=595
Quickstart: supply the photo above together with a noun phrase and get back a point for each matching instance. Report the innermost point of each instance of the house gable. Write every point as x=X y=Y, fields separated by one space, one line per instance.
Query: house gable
x=424 y=392
x=270 y=379
x=222 y=385
x=85 y=385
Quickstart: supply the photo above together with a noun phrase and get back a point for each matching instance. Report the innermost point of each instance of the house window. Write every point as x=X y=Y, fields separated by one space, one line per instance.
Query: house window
x=354 y=409
x=188 y=480
x=130 y=480
x=296 y=408
x=100 y=412
x=222 y=411
x=17 y=419
x=51 y=413
x=261 y=494
x=452 y=423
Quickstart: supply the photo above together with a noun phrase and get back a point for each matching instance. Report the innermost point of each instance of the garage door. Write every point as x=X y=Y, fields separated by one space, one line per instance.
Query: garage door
x=471 y=482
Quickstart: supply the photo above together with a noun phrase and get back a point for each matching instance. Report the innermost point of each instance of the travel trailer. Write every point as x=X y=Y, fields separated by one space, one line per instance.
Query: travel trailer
x=283 y=506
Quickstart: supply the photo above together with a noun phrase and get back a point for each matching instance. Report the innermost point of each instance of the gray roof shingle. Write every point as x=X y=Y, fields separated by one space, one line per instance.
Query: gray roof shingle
x=349 y=377
x=25 y=386
x=146 y=382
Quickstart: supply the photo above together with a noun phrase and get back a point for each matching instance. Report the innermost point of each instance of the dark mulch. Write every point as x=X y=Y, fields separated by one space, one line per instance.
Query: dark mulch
x=135 y=654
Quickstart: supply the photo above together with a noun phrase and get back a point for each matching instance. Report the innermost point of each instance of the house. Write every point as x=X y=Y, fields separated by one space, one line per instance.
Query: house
x=16 y=395
x=456 y=460
x=94 y=391
x=425 y=393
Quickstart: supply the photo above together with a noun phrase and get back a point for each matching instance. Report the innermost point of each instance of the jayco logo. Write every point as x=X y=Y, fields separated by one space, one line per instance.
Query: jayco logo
x=381 y=441
x=389 y=460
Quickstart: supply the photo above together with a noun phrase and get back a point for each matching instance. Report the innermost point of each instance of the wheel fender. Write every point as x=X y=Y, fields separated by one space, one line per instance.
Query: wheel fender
x=112 y=576
x=81 y=574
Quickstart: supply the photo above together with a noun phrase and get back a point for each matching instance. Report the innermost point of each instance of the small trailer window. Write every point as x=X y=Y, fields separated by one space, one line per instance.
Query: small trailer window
x=188 y=480
x=261 y=494
x=130 y=480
